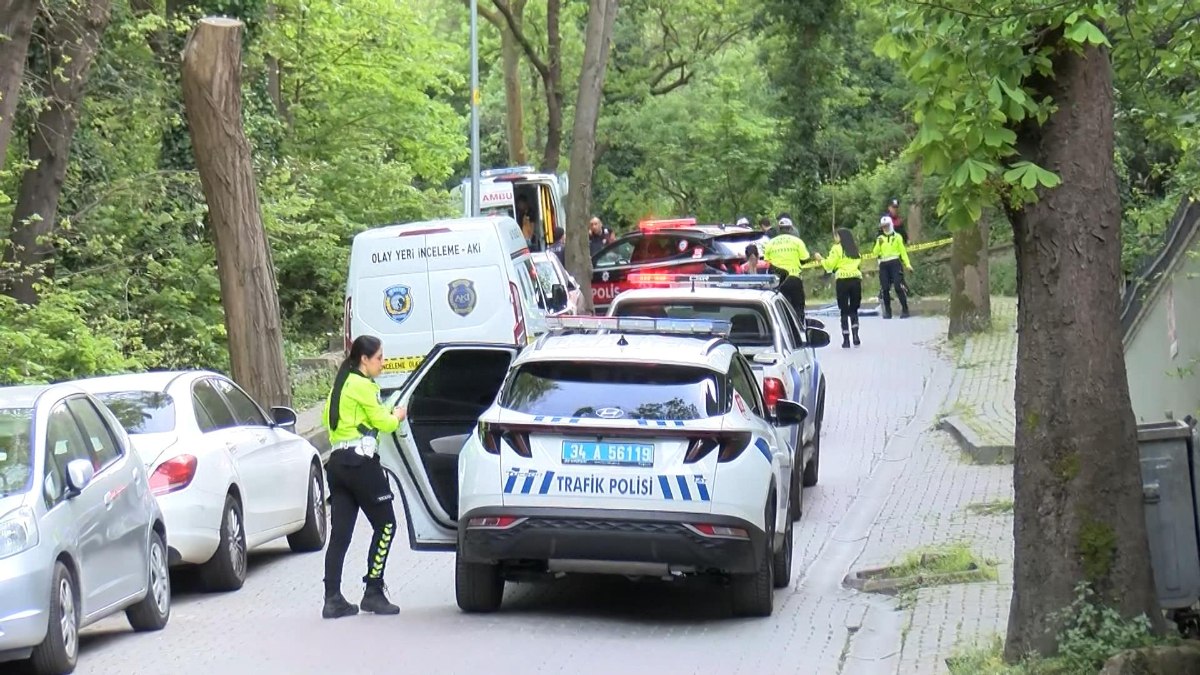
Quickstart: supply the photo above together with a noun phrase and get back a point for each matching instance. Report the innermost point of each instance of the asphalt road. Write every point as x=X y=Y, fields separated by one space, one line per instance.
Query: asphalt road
x=879 y=397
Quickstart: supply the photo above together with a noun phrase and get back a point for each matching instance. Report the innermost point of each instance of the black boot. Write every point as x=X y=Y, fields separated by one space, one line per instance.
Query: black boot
x=887 y=311
x=336 y=606
x=845 y=339
x=856 y=340
x=375 y=601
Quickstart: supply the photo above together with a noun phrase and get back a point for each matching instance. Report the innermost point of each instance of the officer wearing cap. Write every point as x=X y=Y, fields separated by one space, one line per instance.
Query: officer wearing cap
x=893 y=260
x=786 y=253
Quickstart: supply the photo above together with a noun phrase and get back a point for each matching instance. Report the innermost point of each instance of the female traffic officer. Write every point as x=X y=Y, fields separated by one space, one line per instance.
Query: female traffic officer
x=354 y=417
x=843 y=262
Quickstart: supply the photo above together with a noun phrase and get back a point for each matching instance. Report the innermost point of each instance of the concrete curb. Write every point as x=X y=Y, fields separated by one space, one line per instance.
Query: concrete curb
x=311 y=426
x=973 y=444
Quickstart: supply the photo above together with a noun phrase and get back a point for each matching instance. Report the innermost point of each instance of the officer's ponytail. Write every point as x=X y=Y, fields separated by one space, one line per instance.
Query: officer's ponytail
x=364 y=345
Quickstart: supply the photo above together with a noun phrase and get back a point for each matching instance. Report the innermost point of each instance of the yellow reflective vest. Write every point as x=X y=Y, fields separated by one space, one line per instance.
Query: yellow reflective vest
x=359 y=404
x=842 y=266
x=787 y=252
x=891 y=247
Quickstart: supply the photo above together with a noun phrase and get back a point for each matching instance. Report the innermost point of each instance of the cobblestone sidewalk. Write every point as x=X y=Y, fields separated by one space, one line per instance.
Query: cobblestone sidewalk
x=943 y=499
x=979 y=412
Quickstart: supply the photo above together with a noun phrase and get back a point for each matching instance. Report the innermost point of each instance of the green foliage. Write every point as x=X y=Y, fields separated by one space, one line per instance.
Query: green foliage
x=54 y=340
x=1093 y=633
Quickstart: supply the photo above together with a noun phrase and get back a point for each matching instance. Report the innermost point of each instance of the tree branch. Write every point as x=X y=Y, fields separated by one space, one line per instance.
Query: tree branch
x=492 y=17
x=526 y=45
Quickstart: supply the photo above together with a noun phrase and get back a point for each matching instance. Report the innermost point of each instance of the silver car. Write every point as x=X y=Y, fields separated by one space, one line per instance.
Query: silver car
x=81 y=536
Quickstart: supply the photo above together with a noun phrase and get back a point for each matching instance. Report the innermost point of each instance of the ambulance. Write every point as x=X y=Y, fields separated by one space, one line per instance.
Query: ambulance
x=460 y=280
x=542 y=193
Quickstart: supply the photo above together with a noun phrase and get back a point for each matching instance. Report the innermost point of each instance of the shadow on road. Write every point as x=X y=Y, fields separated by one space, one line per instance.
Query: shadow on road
x=186 y=591
x=680 y=602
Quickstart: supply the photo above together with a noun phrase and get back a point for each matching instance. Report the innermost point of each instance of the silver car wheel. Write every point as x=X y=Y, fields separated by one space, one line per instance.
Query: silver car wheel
x=237 y=545
x=68 y=623
x=160 y=582
x=318 y=502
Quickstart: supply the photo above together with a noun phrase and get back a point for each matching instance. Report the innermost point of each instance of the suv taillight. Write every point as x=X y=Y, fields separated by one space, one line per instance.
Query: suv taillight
x=731 y=445
x=491 y=436
x=772 y=392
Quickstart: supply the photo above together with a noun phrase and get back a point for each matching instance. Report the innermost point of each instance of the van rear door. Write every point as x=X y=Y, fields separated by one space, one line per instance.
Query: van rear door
x=468 y=292
x=390 y=291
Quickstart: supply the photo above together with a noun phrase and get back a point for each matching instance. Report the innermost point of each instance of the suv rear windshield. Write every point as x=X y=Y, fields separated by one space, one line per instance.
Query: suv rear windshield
x=620 y=390
x=750 y=326
x=142 y=412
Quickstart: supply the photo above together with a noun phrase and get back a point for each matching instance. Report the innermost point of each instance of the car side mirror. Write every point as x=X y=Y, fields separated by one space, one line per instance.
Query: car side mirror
x=284 y=417
x=814 y=323
x=789 y=412
x=817 y=338
x=558 y=297
x=80 y=472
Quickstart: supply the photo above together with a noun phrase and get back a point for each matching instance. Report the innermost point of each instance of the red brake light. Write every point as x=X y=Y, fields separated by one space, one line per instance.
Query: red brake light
x=518 y=322
x=772 y=392
x=651 y=225
x=173 y=475
x=710 y=530
x=650 y=278
x=494 y=522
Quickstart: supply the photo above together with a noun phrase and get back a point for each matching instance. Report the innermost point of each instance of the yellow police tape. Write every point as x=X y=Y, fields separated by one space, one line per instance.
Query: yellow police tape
x=911 y=249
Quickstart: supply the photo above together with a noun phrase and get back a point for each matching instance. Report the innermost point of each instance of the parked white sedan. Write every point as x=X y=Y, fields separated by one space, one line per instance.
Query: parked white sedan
x=227 y=476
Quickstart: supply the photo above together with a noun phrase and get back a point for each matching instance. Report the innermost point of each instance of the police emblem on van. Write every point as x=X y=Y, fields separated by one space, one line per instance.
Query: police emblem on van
x=462 y=296
x=397 y=302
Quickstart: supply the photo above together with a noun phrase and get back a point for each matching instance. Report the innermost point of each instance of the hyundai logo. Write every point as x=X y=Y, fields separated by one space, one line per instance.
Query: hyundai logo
x=610 y=413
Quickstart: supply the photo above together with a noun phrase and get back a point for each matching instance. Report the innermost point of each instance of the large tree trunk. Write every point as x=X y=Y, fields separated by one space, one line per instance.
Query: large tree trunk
x=16 y=26
x=554 y=87
x=212 y=61
x=1077 y=476
x=601 y=16
x=74 y=39
x=514 y=103
x=970 y=292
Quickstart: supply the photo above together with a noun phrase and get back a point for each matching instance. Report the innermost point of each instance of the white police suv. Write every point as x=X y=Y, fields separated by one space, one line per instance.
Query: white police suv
x=627 y=446
x=766 y=330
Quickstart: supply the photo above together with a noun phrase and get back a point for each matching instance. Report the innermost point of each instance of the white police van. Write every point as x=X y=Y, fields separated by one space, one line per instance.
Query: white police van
x=459 y=280
x=613 y=446
x=766 y=330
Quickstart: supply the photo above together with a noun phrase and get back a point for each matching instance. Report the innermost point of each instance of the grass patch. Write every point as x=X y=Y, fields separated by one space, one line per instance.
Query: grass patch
x=1091 y=634
x=991 y=508
x=952 y=559
x=954 y=564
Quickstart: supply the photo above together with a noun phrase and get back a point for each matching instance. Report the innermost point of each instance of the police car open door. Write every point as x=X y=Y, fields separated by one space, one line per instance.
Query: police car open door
x=445 y=396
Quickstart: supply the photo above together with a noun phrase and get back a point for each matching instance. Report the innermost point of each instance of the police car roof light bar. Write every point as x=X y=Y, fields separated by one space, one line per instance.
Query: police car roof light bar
x=672 y=223
x=639 y=324
x=665 y=280
x=506 y=170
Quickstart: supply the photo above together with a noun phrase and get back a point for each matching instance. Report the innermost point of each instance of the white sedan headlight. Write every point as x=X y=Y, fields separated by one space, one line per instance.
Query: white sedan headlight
x=18 y=531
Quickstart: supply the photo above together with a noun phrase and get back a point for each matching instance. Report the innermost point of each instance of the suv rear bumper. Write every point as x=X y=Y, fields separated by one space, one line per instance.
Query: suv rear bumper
x=660 y=537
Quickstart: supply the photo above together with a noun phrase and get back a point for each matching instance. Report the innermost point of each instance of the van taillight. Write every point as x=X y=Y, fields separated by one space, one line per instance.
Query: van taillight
x=518 y=320
x=346 y=332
